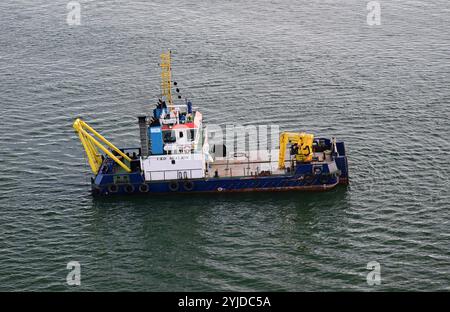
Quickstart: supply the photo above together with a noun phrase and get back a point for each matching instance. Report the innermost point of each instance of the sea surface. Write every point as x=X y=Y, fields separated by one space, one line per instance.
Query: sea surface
x=314 y=66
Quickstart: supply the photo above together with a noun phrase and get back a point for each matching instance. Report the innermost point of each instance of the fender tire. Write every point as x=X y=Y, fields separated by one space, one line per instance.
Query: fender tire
x=174 y=186
x=188 y=185
x=144 y=188
x=324 y=178
x=129 y=188
x=309 y=179
x=113 y=188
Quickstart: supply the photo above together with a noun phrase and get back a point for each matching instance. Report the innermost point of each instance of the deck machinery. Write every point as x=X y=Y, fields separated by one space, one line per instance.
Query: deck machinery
x=175 y=156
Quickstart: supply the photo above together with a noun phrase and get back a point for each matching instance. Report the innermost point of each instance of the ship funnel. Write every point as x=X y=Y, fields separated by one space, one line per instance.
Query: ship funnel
x=143 y=135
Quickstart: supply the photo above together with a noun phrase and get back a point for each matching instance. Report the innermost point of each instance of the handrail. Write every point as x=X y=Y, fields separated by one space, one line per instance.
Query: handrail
x=90 y=145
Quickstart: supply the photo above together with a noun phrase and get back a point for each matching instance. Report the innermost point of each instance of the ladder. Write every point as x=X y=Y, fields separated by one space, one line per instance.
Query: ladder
x=166 y=79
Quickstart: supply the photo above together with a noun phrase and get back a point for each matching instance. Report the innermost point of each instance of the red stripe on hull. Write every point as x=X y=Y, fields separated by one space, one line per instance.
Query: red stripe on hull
x=310 y=188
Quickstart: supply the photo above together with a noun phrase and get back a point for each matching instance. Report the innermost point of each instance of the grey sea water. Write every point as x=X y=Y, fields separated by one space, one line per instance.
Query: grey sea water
x=305 y=65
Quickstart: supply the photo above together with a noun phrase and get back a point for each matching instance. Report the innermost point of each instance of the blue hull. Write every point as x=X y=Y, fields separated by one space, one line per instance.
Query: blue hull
x=220 y=185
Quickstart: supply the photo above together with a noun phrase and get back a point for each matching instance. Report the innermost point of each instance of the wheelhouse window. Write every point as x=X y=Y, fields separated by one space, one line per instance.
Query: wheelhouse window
x=169 y=136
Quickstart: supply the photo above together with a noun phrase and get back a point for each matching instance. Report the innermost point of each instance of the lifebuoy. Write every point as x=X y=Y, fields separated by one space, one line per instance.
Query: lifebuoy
x=129 y=188
x=144 y=188
x=188 y=185
x=113 y=188
x=317 y=170
x=174 y=186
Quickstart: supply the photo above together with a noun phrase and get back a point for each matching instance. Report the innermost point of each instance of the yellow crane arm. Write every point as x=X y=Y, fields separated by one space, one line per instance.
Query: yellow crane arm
x=304 y=142
x=90 y=144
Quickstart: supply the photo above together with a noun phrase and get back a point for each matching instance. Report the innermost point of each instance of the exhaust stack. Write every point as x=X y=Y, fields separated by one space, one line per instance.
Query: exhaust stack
x=143 y=135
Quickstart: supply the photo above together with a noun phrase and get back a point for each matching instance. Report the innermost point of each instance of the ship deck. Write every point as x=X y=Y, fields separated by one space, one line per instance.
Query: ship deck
x=250 y=164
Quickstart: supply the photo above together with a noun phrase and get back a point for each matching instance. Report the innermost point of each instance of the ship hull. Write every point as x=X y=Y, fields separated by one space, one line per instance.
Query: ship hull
x=220 y=185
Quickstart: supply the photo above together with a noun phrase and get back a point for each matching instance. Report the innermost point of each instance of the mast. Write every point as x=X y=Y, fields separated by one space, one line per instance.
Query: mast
x=166 y=79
